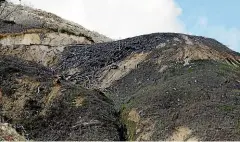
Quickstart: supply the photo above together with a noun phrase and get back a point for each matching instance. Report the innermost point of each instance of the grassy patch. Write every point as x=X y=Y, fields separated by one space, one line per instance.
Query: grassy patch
x=123 y=107
x=238 y=125
x=236 y=92
x=131 y=126
x=190 y=70
x=228 y=67
x=227 y=108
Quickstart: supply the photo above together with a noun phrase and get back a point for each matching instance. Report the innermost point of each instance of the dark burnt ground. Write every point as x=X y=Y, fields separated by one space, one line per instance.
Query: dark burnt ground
x=204 y=97
x=22 y=80
x=12 y=27
x=213 y=44
x=95 y=119
x=42 y=108
x=13 y=68
x=92 y=58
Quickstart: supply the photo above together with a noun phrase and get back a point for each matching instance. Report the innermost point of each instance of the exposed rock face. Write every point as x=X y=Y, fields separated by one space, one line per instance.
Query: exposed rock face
x=44 y=34
x=30 y=17
x=58 y=83
x=43 y=54
x=35 y=44
x=51 y=39
x=15 y=34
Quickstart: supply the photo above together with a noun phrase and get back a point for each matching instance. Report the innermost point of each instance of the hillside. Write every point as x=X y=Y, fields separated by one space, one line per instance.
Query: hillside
x=68 y=83
x=166 y=86
x=42 y=108
x=36 y=18
x=36 y=35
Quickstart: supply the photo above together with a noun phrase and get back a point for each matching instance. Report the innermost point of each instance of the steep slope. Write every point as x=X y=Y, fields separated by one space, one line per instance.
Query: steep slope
x=167 y=86
x=40 y=107
x=104 y=63
x=30 y=47
x=54 y=75
x=36 y=35
x=196 y=102
x=36 y=18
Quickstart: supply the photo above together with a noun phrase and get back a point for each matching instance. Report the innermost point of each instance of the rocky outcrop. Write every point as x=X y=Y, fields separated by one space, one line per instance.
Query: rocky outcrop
x=35 y=35
x=18 y=34
x=42 y=54
x=34 y=18
x=35 y=44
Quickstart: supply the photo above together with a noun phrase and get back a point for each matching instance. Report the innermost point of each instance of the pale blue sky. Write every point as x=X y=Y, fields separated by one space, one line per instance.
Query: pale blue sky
x=219 y=19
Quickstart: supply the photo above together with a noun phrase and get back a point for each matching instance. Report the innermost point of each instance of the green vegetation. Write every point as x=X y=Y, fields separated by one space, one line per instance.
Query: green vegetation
x=131 y=126
x=227 y=108
x=236 y=92
x=238 y=125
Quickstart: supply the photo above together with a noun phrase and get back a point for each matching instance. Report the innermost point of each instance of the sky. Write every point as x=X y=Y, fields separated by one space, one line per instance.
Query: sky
x=120 y=19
